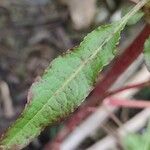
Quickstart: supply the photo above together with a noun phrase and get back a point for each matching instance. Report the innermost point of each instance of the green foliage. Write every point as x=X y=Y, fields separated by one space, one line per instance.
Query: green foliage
x=138 y=141
x=135 y=18
x=147 y=53
x=66 y=83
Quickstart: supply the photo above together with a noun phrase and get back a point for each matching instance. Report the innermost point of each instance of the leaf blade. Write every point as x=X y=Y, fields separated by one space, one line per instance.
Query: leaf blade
x=77 y=70
x=51 y=101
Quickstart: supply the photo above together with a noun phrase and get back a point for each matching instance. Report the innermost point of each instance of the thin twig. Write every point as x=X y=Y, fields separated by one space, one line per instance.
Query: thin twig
x=127 y=103
x=113 y=116
x=139 y=85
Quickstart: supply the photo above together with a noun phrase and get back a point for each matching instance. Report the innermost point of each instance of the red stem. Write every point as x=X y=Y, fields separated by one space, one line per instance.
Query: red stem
x=127 y=103
x=139 y=85
x=122 y=62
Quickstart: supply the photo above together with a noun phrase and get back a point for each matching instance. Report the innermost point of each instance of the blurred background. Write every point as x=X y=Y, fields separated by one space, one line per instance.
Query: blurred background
x=32 y=34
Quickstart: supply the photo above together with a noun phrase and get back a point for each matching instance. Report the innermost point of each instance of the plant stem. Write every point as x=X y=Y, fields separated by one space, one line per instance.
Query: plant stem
x=127 y=103
x=139 y=85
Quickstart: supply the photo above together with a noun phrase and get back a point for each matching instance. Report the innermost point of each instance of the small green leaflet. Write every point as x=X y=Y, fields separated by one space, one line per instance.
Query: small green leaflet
x=66 y=83
x=147 y=53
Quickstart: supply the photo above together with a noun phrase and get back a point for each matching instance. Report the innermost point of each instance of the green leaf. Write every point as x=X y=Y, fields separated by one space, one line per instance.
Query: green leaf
x=133 y=142
x=147 y=53
x=65 y=84
x=135 y=18
x=137 y=141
